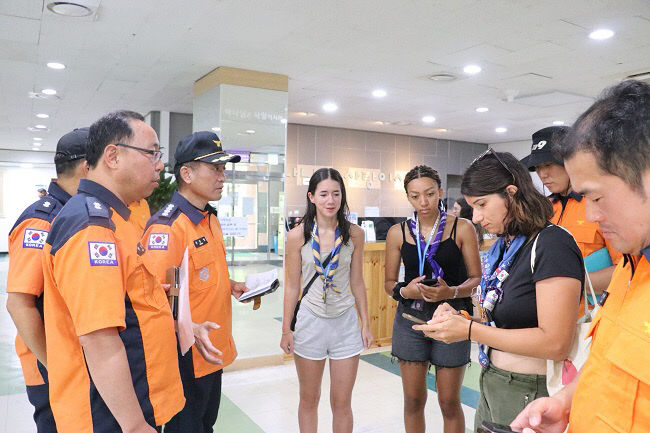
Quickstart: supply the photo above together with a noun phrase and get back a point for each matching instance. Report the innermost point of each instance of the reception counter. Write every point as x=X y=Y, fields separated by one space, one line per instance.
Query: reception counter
x=381 y=306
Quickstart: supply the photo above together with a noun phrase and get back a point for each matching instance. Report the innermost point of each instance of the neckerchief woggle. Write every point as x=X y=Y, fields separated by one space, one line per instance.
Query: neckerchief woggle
x=495 y=272
x=327 y=274
x=430 y=248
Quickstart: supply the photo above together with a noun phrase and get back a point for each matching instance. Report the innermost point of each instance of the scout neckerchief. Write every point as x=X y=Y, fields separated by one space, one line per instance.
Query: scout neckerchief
x=427 y=249
x=496 y=266
x=327 y=274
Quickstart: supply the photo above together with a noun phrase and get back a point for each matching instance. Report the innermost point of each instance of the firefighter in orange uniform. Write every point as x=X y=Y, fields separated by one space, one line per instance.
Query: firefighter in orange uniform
x=111 y=346
x=188 y=221
x=607 y=156
x=140 y=213
x=25 y=279
x=569 y=206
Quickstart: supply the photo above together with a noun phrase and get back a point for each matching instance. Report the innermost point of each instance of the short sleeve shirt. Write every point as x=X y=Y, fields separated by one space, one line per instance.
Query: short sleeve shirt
x=557 y=255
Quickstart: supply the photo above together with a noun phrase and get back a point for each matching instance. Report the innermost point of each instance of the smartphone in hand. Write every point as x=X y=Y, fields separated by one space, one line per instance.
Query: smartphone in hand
x=491 y=427
x=431 y=282
x=413 y=319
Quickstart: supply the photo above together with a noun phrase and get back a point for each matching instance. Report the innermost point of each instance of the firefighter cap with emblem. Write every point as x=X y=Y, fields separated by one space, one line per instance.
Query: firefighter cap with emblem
x=203 y=146
x=545 y=145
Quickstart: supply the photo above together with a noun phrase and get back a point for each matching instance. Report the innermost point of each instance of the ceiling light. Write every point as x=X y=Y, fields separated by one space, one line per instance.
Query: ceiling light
x=330 y=107
x=442 y=77
x=250 y=131
x=472 y=69
x=500 y=129
x=37 y=139
x=558 y=122
x=428 y=119
x=601 y=34
x=42 y=116
x=379 y=122
x=216 y=129
x=69 y=9
x=40 y=126
x=48 y=92
x=55 y=65
x=441 y=130
x=482 y=109
x=283 y=121
x=35 y=148
x=37 y=144
x=379 y=93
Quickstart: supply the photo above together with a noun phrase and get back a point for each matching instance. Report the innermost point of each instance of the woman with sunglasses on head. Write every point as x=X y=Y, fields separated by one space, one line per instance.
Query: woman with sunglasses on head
x=442 y=248
x=529 y=311
x=324 y=258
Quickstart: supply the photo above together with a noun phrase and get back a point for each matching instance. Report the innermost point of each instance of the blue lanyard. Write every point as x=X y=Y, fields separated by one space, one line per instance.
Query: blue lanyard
x=422 y=256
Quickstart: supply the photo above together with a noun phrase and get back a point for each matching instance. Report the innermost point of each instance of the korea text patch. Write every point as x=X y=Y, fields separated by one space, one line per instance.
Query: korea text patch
x=102 y=253
x=158 y=241
x=34 y=239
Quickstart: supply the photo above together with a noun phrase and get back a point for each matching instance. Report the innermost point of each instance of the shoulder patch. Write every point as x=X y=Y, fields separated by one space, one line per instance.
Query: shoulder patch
x=158 y=241
x=46 y=205
x=102 y=253
x=168 y=211
x=96 y=208
x=34 y=238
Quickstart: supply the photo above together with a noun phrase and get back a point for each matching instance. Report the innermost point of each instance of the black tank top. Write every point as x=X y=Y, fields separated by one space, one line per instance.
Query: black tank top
x=450 y=259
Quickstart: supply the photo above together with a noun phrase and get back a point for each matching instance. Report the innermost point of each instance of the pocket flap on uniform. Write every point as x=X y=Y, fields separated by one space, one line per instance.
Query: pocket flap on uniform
x=201 y=257
x=630 y=353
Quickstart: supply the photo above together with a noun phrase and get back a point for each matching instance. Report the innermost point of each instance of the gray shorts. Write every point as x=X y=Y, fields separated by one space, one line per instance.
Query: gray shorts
x=414 y=346
x=317 y=337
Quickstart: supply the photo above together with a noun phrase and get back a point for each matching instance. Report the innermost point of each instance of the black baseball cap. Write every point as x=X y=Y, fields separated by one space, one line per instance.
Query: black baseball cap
x=203 y=146
x=72 y=146
x=545 y=146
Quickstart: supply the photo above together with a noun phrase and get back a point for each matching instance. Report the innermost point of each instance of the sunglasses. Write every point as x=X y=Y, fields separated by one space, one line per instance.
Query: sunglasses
x=491 y=151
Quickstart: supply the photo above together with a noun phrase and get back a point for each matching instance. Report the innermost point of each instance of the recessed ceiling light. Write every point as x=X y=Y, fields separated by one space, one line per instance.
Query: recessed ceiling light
x=35 y=148
x=482 y=109
x=500 y=129
x=379 y=122
x=441 y=130
x=48 y=92
x=40 y=126
x=216 y=129
x=69 y=9
x=37 y=144
x=472 y=69
x=37 y=139
x=601 y=34
x=250 y=131
x=55 y=65
x=42 y=116
x=558 y=122
x=428 y=119
x=330 y=107
x=442 y=77
x=379 y=93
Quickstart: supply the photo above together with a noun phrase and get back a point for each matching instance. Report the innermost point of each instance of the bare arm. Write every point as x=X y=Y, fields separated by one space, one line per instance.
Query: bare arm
x=466 y=234
x=109 y=370
x=28 y=321
x=557 y=312
x=357 y=285
x=293 y=266
x=393 y=260
x=600 y=279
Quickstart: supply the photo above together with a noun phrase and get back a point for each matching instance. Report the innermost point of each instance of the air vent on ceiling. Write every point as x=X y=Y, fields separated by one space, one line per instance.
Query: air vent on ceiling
x=442 y=77
x=76 y=8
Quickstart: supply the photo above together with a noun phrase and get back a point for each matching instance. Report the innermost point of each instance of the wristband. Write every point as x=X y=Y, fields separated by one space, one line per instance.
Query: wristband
x=455 y=292
x=469 y=332
x=396 y=291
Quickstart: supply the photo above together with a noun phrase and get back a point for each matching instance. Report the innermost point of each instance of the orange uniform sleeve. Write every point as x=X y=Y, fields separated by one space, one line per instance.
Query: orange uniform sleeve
x=91 y=279
x=165 y=248
x=26 y=243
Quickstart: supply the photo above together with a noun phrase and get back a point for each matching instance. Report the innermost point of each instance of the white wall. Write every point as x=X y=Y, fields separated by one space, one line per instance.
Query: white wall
x=521 y=149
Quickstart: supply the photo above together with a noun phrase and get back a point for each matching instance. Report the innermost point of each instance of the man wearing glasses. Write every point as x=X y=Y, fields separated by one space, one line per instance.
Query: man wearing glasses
x=111 y=345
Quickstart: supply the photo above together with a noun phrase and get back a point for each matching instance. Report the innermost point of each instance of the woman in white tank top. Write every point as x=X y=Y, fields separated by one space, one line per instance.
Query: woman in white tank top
x=327 y=324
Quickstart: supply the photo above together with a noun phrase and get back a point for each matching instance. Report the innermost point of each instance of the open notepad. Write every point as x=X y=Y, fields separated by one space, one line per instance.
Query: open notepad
x=260 y=284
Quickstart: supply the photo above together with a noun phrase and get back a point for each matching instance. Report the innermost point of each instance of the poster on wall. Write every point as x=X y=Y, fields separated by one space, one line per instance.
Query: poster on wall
x=234 y=226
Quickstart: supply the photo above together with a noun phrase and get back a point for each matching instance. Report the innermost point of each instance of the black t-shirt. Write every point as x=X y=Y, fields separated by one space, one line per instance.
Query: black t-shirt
x=557 y=255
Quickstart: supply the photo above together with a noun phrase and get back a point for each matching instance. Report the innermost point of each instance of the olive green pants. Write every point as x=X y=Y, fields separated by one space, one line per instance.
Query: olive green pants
x=504 y=394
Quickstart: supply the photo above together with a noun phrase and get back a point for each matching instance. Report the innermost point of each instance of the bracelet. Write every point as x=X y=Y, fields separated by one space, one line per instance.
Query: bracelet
x=465 y=314
x=285 y=333
x=401 y=294
x=469 y=333
x=455 y=292
x=397 y=295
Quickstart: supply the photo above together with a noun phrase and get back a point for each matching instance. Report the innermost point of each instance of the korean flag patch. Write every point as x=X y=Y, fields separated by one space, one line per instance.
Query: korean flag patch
x=102 y=253
x=158 y=241
x=34 y=239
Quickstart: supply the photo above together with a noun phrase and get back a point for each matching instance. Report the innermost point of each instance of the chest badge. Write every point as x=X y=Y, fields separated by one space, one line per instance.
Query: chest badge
x=200 y=242
x=204 y=274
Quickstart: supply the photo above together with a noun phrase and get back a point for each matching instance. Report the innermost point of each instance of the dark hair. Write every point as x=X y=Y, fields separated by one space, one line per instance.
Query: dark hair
x=467 y=212
x=310 y=215
x=421 y=171
x=528 y=211
x=65 y=168
x=616 y=130
x=110 y=129
x=177 y=172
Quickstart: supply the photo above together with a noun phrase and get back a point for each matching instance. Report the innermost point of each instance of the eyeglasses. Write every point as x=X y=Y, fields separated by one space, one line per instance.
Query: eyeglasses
x=156 y=155
x=491 y=151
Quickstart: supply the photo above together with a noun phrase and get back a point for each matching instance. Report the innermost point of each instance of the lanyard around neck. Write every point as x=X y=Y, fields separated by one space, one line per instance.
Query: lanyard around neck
x=422 y=256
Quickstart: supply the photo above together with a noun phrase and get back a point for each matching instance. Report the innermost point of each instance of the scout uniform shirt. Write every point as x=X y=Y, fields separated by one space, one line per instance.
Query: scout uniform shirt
x=95 y=279
x=26 y=241
x=570 y=213
x=613 y=393
x=180 y=225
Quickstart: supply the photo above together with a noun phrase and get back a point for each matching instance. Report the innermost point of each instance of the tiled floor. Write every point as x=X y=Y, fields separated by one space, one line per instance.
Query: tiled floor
x=261 y=399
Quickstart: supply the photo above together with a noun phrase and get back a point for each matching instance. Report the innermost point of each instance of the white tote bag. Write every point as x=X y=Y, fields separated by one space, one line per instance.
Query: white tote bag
x=561 y=373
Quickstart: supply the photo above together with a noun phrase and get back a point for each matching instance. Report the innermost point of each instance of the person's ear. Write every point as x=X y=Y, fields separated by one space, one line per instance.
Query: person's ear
x=511 y=190
x=111 y=156
x=186 y=174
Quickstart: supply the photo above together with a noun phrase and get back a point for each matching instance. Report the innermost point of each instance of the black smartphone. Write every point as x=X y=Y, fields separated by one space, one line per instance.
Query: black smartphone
x=491 y=427
x=431 y=282
x=413 y=319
